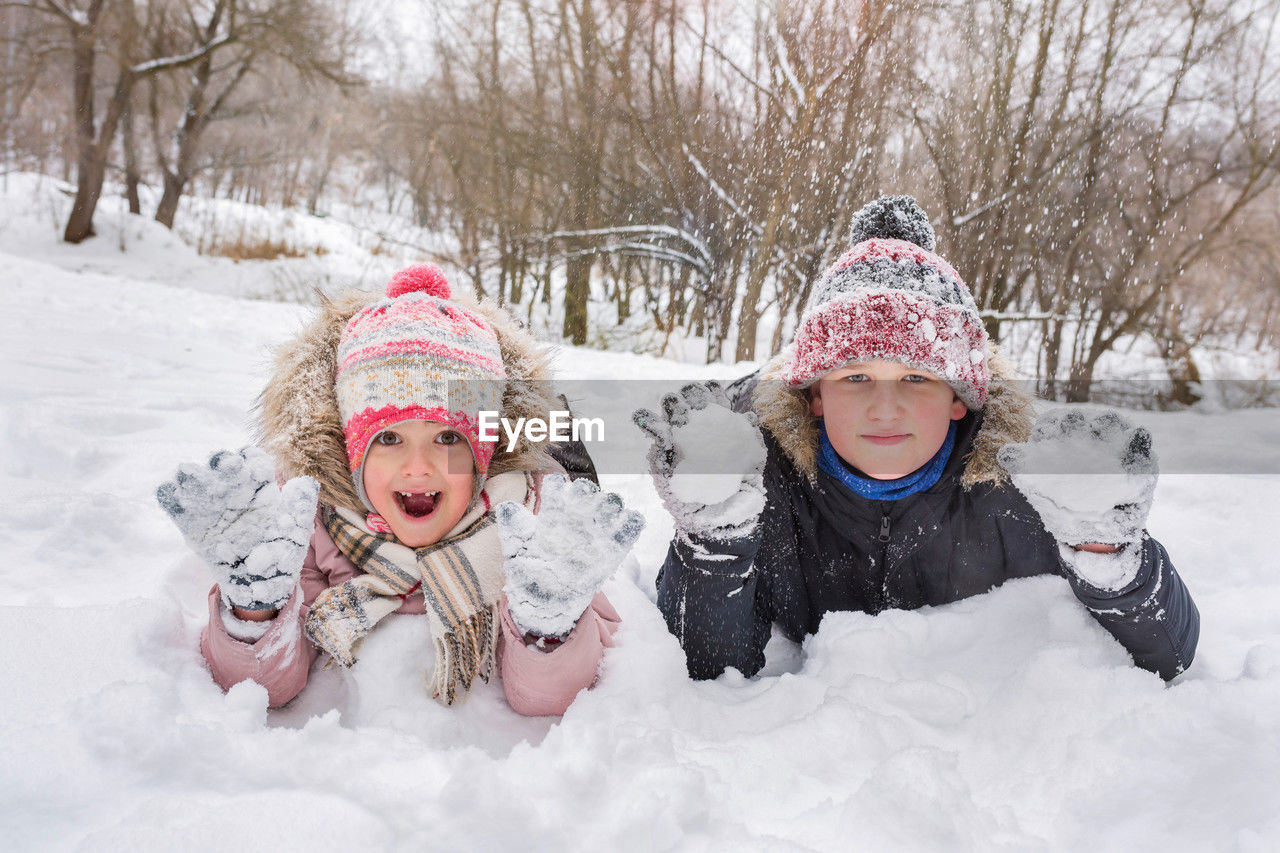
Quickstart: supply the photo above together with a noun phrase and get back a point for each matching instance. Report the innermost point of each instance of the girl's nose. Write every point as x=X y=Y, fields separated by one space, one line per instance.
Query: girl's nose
x=420 y=461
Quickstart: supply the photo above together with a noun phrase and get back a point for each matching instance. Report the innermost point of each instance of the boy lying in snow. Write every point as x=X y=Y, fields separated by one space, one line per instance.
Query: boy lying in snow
x=373 y=410
x=880 y=478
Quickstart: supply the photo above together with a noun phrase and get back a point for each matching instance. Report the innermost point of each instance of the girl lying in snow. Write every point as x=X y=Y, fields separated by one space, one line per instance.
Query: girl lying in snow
x=880 y=479
x=373 y=409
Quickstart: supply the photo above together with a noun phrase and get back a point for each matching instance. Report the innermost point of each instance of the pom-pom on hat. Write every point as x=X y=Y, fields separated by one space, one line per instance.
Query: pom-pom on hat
x=416 y=355
x=422 y=278
x=890 y=297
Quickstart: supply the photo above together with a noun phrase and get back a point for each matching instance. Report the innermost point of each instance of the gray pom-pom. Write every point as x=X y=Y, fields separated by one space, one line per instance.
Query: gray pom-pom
x=893 y=217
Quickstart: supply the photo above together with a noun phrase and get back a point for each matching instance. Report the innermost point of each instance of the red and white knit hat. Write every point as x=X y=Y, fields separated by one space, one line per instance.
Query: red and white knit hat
x=417 y=356
x=890 y=297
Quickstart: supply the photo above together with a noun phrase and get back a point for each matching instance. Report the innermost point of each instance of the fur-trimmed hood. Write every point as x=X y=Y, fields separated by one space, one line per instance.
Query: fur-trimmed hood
x=297 y=413
x=784 y=412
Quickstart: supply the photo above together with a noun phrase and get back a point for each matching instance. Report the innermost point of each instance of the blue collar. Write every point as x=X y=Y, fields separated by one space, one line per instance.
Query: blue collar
x=884 y=490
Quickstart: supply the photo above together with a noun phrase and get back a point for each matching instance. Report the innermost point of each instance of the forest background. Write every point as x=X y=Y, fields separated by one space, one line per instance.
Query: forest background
x=1100 y=171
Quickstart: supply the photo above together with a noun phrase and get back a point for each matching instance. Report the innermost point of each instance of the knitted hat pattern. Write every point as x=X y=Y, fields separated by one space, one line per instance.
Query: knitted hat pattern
x=891 y=298
x=415 y=355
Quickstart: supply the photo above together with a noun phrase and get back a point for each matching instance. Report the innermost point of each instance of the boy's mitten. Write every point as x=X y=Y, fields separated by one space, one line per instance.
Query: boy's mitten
x=557 y=560
x=251 y=532
x=1091 y=481
x=707 y=461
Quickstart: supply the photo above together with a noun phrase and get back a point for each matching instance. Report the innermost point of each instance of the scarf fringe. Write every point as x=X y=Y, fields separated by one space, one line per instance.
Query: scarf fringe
x=462 y=656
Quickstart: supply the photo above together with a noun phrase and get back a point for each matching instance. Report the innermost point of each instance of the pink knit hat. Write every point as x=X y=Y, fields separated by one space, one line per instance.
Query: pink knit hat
x=892 y=298
x=417 y=356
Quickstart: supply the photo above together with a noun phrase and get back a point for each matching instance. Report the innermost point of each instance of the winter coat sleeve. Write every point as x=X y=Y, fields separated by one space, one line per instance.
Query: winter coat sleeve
x=541 y=682
x=281 y=659
x=710 y=593
x=1153 y=617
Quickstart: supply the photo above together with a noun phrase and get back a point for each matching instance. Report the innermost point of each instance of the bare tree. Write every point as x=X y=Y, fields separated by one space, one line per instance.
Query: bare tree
x=1088 y=156
x=88 y=28
x=811 y=62
x=234 y=38
x=30 y=50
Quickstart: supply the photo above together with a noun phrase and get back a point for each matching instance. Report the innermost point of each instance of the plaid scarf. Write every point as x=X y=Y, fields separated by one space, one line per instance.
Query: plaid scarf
x=461 y=578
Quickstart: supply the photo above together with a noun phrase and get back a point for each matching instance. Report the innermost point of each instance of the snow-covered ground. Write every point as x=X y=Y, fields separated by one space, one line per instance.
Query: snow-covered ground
x=1010 y=720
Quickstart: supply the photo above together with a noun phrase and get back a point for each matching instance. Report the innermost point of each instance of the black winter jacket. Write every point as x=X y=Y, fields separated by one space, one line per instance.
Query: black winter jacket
x=819 y=547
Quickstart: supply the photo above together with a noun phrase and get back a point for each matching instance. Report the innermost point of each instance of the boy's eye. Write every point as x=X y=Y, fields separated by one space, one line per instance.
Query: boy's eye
x=387 y=438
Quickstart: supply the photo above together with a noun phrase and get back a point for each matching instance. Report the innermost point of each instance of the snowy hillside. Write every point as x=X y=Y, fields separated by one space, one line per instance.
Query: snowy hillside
x=1006 y=721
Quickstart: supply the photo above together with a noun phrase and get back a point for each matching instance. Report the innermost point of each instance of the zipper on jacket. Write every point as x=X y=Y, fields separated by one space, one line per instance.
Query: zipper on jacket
x=882 y=591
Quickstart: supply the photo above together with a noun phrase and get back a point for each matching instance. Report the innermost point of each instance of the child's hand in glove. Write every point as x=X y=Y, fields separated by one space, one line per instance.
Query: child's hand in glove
x=557 y=560
x=707 y=461
x=1091 y=481
x=252 y=533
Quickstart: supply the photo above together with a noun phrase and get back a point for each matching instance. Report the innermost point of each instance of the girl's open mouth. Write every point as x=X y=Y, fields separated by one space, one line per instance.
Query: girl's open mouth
x=417 y=504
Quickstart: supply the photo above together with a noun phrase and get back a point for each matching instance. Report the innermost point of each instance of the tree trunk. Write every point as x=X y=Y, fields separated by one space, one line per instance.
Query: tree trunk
x=167 y=209
x=516 y=293
x=131 y=176
x=713 y=309
x=577 y=290
x=1080 y=383
x=91 y=165
x=1052 y=358
x=318 y=183
x=749 y=315
x=992 y=326
x=1078 y=386
x=196 y=114
x=624 y=297
x=775 y=343
x=1178 y=359
x=89 y=175
x=720 y=314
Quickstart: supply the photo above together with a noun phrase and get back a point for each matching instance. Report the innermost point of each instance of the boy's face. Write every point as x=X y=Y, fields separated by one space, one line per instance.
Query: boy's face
x=884 y=418
x=419 y=476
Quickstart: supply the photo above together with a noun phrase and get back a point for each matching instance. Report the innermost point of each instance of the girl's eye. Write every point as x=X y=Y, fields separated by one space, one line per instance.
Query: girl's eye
x=914 y=378
x=387 y=438
x=448 y=438
x=858 y=377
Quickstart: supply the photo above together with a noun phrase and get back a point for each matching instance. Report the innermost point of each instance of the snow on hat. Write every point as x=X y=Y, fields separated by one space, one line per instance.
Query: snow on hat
x=416 y=356
x=890 y=297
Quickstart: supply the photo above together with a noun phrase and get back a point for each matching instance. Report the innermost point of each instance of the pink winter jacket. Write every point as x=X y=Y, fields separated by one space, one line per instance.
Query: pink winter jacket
x=536 y=682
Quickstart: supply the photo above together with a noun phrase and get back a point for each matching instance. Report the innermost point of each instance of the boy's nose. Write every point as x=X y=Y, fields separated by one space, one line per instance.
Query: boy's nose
x=885 y=402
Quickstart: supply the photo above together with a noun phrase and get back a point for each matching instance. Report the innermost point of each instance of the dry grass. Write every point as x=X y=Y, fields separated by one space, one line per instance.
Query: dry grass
x=248 y=248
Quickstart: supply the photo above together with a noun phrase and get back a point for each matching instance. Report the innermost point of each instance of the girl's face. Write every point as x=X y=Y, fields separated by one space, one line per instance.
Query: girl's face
x=884 y=418
x=419 y=476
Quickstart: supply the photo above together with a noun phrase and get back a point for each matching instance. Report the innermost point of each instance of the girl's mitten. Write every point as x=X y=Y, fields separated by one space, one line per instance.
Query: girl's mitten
x=251 y=532
x=557 y=560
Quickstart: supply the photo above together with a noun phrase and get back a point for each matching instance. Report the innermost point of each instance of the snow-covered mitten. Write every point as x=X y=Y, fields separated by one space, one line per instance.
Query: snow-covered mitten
x=1091 y=481
x=707 y=461
x=557 y=560
x=251 y=532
